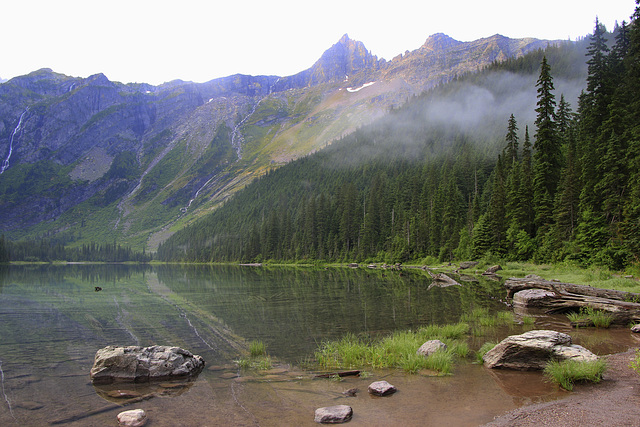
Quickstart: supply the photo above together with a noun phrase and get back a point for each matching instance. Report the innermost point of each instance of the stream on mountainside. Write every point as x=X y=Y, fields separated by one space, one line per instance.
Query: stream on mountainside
x=18 y=128
x=53 y=321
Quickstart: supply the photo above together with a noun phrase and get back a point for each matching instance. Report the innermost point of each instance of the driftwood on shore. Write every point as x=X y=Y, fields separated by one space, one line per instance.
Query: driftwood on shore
x=567 y=297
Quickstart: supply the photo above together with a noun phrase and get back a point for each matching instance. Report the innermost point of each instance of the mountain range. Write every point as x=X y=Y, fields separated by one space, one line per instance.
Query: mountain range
x=89 y=159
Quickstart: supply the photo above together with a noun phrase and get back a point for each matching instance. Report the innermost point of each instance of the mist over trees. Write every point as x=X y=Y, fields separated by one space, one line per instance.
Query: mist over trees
x=535 y=158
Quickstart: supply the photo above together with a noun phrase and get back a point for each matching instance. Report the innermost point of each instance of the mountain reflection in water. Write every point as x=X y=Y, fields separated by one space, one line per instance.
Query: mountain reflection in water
x=52 y=321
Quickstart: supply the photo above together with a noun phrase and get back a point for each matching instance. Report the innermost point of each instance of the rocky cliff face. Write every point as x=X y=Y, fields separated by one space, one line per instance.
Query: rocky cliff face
x=180 y=148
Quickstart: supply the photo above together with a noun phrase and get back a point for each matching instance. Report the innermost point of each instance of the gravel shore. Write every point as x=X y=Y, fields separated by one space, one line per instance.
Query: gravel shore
x=615 y=401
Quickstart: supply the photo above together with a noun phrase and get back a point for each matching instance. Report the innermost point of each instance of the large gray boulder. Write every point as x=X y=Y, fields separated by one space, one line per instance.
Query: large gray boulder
x=139 y=364
x=534 y=349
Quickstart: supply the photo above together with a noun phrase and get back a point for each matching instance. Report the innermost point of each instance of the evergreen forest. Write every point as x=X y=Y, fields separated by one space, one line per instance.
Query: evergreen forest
x=48 y=250
x=450 y=177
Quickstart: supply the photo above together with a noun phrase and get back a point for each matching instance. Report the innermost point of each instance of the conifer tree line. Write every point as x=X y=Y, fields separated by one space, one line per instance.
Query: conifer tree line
x=565 y=187
x=47 y=251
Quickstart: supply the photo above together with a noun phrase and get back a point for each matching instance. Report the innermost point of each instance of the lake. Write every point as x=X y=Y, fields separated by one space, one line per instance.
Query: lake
x=52 y=321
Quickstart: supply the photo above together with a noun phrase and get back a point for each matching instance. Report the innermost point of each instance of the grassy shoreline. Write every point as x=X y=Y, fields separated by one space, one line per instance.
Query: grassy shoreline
x=598 y=277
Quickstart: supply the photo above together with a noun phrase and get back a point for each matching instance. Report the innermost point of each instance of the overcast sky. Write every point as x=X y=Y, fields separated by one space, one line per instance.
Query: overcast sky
x=155 y=41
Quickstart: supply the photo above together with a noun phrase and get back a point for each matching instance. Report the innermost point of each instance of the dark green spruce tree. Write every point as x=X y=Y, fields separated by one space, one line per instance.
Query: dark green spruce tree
x=547 y=155
x=631 y=86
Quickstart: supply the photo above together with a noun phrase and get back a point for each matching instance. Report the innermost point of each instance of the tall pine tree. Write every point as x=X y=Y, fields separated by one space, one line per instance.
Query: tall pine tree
x=547 y=156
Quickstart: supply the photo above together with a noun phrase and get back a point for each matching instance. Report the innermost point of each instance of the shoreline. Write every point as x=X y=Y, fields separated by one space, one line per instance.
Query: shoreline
x=613 y=401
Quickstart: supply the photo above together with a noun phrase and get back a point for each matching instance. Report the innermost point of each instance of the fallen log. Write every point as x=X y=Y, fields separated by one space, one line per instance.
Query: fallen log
x=514 y=285
x=340 y=374
x=569 y=297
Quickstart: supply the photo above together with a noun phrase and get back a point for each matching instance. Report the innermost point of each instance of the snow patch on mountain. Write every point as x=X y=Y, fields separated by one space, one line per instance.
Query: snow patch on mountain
x=350 y=89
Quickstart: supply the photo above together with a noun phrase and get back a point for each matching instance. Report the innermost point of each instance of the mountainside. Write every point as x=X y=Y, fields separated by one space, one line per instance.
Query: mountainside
x=401 y=188
x=531 y=159
x=91 y=159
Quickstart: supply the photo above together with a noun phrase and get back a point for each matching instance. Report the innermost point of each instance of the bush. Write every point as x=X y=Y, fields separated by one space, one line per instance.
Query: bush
x=568 y=372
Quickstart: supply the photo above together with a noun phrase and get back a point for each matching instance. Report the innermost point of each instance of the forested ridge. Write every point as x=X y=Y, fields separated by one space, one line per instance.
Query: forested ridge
x=556 y=182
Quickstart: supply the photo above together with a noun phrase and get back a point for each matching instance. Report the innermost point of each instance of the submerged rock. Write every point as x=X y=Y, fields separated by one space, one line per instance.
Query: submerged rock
x=381 y=388
x=333 y=414
x=534 y=349
x=351 y=392
x=138 y=364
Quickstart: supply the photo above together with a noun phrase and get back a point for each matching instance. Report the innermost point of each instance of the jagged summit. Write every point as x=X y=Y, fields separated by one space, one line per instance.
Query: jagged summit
x=347 y=57
x=344 y=39
x=440 y=41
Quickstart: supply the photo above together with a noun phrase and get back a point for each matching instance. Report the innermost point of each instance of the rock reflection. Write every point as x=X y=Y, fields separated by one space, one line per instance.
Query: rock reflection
x=128 y=393
x=524 y=386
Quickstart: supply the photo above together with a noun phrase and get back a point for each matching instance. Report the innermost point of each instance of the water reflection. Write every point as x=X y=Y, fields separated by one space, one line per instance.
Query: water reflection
x=52 y=322
x=127 y=394
x=293 y=310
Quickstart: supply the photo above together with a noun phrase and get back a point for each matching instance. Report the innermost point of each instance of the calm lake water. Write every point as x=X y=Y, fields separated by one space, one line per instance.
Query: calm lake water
x=52 y=321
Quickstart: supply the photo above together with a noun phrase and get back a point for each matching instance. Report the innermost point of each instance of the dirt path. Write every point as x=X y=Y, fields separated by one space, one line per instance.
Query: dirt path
x=615 y=401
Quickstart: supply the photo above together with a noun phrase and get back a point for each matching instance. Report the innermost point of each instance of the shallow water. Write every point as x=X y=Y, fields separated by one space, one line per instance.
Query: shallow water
x=52 y=321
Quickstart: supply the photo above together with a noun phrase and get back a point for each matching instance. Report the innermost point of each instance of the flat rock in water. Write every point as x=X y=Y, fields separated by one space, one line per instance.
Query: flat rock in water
x=333 y=414
x=467 y=264
x=534 y=349
x=431 y=347
x=381 y=388
x=532 y=298
x=136 y=364
x=132 y=418
x=636 y=329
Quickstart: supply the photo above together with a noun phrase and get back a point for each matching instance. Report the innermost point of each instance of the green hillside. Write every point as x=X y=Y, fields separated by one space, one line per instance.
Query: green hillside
x=496 y=163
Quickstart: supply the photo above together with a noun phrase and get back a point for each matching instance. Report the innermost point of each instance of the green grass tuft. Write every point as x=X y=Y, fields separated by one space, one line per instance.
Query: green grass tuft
x=599 y=318
x=568 y=372
x=258 y=358
x=397 y=350
x=257 y=348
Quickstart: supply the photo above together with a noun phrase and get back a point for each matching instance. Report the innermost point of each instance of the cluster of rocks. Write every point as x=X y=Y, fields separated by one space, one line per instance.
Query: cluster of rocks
x=528 y=351
x=134 y=364
x=343 y=413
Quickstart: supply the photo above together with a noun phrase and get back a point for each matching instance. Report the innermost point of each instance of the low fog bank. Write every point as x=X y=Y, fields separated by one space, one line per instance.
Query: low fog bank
x=474 y=112
x=481 y=110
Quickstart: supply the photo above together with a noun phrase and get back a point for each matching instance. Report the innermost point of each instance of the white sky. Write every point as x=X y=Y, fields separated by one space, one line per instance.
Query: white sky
x=155 y=41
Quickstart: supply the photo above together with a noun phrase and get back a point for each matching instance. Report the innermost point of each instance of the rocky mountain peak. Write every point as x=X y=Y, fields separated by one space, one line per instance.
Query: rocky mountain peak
x=440 y=41
x=345 y=58
x=345 y=39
